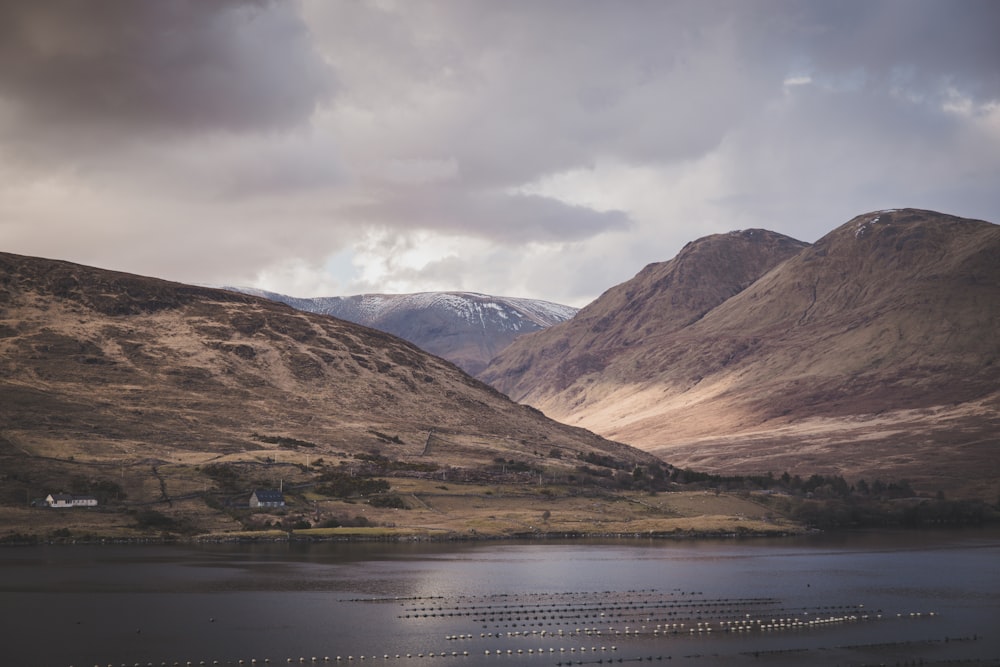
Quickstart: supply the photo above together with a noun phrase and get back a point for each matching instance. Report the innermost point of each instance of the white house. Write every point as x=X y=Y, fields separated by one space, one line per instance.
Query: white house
x=66 y=500
x=267 y=498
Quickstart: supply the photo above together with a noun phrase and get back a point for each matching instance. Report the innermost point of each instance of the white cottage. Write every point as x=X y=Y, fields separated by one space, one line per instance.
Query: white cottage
x=67 y=500
x=267 y=498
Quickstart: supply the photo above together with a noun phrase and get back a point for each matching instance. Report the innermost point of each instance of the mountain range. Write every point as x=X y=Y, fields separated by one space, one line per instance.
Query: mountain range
x=466 y=328
x=101 y=370
x=872 y=352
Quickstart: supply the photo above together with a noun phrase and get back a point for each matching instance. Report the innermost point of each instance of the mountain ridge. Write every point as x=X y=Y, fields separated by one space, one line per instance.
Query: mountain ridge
x=467 y=328
x=664 y=297
x=872 y=350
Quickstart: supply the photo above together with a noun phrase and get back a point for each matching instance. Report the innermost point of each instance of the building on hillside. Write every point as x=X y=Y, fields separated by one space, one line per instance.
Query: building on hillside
x=267 y=498
x=67 y=500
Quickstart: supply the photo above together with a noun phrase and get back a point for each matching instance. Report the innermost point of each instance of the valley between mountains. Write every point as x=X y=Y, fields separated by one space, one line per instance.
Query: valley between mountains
x=763 y=385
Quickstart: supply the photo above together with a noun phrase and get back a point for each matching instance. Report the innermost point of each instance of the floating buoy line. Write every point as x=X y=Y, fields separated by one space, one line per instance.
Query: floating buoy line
x=584 y=628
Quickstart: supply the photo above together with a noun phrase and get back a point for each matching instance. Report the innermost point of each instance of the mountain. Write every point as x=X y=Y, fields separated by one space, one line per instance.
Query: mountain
x=466 y=328
x=871 y=353
x=562 y=363
x=100 y=369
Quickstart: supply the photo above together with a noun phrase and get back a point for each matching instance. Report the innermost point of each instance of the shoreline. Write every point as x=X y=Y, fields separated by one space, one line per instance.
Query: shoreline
x=402 y=537
x=436 y=513
x=273 y=537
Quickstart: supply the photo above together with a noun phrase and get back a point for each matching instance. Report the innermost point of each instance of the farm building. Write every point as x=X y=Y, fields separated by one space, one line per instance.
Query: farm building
x=67 y=500
x=267 y=498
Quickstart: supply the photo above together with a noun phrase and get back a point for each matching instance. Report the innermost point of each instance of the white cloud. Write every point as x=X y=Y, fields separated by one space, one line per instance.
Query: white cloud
x=297 y=277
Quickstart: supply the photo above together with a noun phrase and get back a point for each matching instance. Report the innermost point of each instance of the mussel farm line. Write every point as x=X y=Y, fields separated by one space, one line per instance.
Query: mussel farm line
x=574 y=626
x=581 y=628
x=633 y=613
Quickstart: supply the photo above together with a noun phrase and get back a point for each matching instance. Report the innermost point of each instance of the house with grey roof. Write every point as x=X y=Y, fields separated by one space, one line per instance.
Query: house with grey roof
x=267 y=498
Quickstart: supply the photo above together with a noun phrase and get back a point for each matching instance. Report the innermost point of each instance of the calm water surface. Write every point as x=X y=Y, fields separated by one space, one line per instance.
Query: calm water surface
x=859 y=599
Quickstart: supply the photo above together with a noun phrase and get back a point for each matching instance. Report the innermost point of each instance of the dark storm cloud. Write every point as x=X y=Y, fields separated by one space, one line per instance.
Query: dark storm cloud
x=912 y=44
x=115 y=67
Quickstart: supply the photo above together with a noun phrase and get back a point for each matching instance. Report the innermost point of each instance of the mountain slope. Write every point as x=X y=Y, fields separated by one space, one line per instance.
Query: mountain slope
x=105 y=368
x=872 y=352
x=466 y=328
x=608 y=340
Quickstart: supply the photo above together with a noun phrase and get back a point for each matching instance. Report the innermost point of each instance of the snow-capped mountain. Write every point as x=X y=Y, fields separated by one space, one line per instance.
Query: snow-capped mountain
x=465 y=328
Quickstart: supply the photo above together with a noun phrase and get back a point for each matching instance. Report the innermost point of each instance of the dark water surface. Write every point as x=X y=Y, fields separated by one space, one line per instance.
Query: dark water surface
x=858 y=599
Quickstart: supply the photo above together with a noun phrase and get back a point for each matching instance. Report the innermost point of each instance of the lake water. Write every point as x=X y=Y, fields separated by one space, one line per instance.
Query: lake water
x=858 y=599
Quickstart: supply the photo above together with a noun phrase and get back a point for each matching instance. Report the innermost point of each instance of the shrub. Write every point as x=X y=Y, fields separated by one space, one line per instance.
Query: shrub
x=388 y=500
x=153 y=520
x=342 y=485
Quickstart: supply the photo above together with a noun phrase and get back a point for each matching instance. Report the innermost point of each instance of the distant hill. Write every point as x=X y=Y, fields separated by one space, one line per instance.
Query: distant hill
x=466 y=328
x=872 y=353
x=104 y=373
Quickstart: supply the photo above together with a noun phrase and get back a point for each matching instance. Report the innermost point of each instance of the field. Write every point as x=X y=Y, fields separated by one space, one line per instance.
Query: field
x=431 y=509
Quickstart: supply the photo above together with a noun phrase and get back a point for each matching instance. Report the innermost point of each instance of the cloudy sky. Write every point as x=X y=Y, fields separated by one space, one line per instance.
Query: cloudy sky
x=538 y=148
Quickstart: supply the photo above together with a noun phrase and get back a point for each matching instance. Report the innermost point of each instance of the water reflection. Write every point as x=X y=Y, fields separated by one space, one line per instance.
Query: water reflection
x=845 y=600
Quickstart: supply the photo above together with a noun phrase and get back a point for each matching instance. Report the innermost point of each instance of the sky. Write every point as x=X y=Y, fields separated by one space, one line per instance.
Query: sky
x=536 y=148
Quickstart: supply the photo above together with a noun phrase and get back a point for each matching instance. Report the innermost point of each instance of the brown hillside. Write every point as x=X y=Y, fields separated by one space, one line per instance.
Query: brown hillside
x=872 y=353
x=106 y=368
x=630 y=318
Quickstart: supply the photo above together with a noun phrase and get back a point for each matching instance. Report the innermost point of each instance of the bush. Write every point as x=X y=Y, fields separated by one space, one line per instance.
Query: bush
x=345 y=521
x=342 y=485
x=105 y=491
x=281 y=441
x=224 y=474
x=602 y=460
x=389 y=500
x=153 y=520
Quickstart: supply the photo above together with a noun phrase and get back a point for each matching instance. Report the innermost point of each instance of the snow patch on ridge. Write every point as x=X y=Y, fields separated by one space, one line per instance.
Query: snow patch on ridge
x=473 y=309
x=864 y=225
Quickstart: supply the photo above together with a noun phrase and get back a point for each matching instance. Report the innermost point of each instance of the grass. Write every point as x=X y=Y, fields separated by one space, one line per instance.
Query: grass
x=370 y=532
x=202 y=504
x=434 y=510
x=507 y=511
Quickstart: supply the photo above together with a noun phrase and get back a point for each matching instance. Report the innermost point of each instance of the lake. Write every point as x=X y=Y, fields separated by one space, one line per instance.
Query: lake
x=844 y=599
